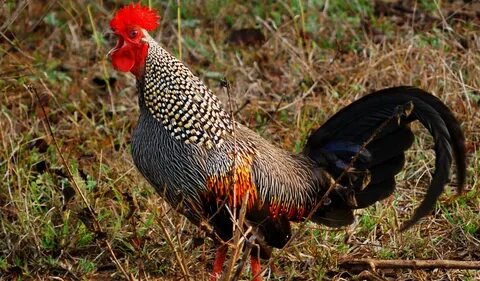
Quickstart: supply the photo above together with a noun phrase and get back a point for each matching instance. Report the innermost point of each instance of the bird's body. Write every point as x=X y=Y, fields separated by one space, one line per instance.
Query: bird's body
x=196 y=177
x=206 y=165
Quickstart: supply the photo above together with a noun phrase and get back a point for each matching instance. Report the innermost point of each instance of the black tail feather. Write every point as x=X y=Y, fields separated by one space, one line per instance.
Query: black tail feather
x=382 y=149
x=343 y=135
x=386 y=169
x=457 y=139
x=375 y=192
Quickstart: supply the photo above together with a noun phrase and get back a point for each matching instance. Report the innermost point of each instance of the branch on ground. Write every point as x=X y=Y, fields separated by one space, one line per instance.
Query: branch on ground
x=373 y=264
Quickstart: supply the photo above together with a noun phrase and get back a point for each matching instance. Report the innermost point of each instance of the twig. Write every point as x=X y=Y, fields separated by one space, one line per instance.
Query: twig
x=236 y=230
x=240 y=108
x=368 y=275
x=104 y=65
x=373 y=264
x=7 y=22
x=271 y=116
x=33 y=90
x=306 y=94
x=237 y=238
x=183 y=266
x=246 y=254
x=179 y=28
x=226 y=85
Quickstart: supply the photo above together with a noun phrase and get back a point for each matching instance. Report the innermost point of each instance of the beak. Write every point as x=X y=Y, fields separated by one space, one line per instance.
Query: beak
x=110 y=52
x=120 y=44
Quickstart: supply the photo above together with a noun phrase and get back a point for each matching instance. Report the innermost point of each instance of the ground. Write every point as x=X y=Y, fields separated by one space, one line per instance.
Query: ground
x=291 y=65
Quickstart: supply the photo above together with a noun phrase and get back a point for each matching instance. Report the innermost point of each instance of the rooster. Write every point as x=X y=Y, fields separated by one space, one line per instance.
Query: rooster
x=207 y=166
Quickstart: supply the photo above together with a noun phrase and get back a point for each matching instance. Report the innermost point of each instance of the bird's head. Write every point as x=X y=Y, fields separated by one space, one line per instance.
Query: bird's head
x=131 y=24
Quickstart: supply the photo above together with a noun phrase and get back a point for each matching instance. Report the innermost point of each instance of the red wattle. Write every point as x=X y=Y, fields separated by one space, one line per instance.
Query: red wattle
x=123 y=60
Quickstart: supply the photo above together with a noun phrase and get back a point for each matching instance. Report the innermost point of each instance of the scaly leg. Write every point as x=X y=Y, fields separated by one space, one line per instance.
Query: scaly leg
x=255 y=266
x=219 y=260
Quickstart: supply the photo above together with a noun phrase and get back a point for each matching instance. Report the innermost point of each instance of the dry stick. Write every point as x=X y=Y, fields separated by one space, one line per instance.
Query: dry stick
x=33 y=90
x=398 y=112
x=183 y=267
x=177 y=250
x=237 y=238
x=104 y=65
x=239 y=235
x=271 y=116
x=451 y=15
x=223 y=204
x=7 y=22
x=371 y=276
x=179 y=29
x=236 y=231
x=304 y=95
x=240 y=108
x=235 y=151
x=14 y=45
x=131 y=217
x=246 y=253
x=181 y=252
x=226 y=85
x=373 y=264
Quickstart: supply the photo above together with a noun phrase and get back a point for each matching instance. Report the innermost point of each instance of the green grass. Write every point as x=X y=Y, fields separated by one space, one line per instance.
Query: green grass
x=315 y=60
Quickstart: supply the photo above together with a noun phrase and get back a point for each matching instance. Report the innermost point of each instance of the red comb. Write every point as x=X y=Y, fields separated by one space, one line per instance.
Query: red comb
x=134 y=15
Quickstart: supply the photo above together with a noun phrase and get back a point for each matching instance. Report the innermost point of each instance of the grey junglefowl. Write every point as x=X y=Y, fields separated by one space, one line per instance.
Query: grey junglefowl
x=206 y=165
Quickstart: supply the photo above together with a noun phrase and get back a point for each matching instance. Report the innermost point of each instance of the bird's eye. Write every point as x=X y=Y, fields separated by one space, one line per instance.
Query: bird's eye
x=132 y=33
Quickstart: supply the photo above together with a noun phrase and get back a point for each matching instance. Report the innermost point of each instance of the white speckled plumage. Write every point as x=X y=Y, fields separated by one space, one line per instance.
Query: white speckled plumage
x=178 y=99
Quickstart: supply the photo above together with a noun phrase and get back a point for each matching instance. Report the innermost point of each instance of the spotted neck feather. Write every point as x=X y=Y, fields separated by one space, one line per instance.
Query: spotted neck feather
x=181 y=102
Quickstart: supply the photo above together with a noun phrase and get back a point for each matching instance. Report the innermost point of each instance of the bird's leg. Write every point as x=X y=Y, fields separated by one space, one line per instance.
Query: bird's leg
x=218 y=263
x=255 y=266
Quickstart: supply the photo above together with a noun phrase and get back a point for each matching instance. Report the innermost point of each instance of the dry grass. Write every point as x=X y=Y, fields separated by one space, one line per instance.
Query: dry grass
x=313 y=60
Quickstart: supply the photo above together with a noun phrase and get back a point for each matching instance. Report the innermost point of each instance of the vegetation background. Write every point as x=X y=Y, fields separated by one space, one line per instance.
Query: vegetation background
x=291 y=64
